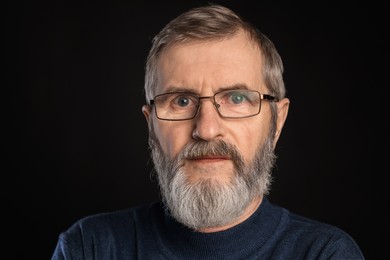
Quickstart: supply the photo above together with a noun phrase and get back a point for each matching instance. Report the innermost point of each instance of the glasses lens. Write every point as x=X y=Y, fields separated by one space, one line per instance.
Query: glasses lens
x=238 y=103
x=176 y=106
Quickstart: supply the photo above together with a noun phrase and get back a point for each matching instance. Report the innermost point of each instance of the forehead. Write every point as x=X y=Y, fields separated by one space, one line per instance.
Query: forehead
x=208 y=66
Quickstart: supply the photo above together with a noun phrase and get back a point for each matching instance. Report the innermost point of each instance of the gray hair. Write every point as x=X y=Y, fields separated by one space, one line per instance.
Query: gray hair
x=213 y=22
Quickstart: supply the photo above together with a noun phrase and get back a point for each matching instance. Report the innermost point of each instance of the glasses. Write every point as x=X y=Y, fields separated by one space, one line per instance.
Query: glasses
x=178 y=106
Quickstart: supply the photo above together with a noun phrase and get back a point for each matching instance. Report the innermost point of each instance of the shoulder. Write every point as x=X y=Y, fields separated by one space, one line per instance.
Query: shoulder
x=301 y=225
x=115 y=221
x=322 y=239
x=105 y=233
x=303 y=237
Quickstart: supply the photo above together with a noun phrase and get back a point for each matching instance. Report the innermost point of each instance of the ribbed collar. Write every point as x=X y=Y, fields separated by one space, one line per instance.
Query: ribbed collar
x=263 y=226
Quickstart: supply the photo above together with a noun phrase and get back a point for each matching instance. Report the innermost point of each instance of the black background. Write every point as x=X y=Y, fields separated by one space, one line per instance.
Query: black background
x=76 y=140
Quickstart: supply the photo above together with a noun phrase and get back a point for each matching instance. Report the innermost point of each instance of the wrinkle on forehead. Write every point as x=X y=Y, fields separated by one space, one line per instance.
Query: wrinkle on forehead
x=211 y=65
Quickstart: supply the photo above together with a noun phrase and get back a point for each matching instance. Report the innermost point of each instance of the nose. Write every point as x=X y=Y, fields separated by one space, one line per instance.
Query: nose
x=208 y=123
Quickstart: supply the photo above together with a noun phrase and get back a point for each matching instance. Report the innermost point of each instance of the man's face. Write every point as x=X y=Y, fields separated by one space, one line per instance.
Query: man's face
x=205 y=68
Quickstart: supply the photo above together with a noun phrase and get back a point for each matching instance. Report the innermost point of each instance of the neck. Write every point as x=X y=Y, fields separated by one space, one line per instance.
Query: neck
x=252 y=207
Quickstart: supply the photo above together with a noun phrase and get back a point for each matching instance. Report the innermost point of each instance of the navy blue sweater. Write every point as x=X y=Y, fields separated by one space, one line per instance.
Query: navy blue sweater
x=147 y=232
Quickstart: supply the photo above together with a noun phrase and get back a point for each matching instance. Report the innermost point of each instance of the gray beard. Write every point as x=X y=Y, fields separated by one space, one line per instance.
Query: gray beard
x=209 y=202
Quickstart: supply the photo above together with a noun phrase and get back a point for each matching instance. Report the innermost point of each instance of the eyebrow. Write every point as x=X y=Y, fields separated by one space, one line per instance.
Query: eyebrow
x=191 y=90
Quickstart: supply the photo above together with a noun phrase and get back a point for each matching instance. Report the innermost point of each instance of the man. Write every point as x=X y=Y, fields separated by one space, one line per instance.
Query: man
x=215 y=109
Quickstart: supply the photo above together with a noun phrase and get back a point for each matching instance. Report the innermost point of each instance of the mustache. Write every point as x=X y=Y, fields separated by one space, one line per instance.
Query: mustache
x=202 y=148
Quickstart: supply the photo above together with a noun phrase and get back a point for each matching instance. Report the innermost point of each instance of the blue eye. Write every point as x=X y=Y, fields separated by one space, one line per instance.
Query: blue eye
x=237 y=98
x=183 y=101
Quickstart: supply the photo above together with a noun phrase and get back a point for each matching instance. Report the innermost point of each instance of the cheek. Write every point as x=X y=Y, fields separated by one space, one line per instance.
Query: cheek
x=172 y=137
x=249 y=137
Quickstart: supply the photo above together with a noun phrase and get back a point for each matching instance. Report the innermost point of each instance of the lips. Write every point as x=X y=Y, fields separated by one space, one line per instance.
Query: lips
x=209 y=158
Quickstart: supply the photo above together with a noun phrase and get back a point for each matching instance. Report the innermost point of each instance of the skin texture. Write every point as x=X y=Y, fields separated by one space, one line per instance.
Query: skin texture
x=205 y=68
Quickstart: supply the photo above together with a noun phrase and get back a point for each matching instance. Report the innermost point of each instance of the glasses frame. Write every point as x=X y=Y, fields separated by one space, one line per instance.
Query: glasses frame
x=216 y=105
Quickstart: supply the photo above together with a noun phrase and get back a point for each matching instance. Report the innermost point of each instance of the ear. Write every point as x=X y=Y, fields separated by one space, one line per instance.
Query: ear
x=146 y=110
x=282 y=110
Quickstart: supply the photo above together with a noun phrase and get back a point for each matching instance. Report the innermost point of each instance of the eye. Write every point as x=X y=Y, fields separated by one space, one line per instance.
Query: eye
x=182 y=101
x=237 y=97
